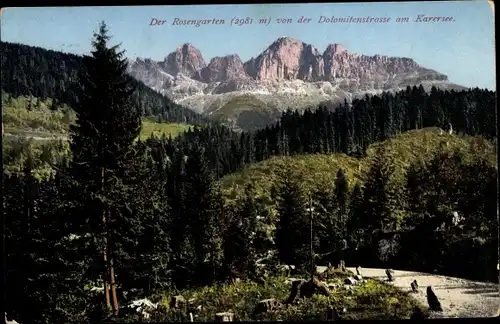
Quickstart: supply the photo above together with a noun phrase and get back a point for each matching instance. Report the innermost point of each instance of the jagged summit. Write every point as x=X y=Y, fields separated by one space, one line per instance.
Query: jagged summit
x=289 y=73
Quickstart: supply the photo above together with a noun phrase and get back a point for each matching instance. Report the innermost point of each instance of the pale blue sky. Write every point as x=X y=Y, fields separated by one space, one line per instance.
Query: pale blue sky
x=462 y=49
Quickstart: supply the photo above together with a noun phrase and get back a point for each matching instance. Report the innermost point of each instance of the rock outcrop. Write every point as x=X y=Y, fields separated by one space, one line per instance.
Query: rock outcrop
x=221 y=69
x=186 y=59
x=285 y=59
x=287 y=74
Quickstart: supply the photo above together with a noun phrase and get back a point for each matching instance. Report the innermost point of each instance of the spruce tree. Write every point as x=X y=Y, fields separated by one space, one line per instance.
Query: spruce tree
x=107 y=124
x=382 y=197
x=203 y=211
x=239 y=250
x=356 y=224
x=326 y=229
x=291 y=240
x=341 y=195
x=143 y=222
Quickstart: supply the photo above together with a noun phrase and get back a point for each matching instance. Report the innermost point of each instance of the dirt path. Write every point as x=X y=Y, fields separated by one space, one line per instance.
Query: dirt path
x=458 y=297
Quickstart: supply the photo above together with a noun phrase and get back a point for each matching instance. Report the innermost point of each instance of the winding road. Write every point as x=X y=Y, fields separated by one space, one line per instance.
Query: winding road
x=458 y=297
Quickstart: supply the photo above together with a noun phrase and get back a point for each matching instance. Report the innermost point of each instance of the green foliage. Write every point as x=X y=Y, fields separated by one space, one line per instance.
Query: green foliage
x=48 y=156
x=44 y=131
x=291 y=238
x=39 y=253
x=383 y=201
x=40 y=120
x=142 y=223
x=370 y=300
x=239 y=244
x=151 y=128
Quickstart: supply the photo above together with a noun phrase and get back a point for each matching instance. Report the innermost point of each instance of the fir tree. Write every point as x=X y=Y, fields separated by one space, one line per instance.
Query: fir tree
x=291 y=239
x=203 y=211
x=341 y=195
x=382 y=198
x=356 y=224
x=239 y=250
x=107 y=124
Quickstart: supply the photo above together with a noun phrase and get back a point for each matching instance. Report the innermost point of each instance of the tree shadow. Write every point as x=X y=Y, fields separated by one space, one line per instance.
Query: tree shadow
x=485 y=292
x=470 y=286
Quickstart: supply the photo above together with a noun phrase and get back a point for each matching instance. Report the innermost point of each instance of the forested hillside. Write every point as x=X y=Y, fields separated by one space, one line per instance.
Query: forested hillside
x=348 y=129
x=42 y=127
x=37 y=72
x=121 y=218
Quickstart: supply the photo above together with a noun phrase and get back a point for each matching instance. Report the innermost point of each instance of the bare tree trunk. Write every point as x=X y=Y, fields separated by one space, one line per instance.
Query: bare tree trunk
x=106 y=272
x=113 y=285
x=109 y=272
x=311 y=236
x=104 y=250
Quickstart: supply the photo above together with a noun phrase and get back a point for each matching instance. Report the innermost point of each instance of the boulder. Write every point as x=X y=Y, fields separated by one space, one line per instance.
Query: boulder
x=295 y=293
x=266 y=306
x=389 y=274
x=433 y=301
x=314 y=287
x=414 y=286
x=224 y=317
x=350 y=281
x=177 y=302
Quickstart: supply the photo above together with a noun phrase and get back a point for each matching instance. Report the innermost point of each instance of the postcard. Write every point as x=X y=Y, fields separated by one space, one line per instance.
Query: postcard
x=250 y=162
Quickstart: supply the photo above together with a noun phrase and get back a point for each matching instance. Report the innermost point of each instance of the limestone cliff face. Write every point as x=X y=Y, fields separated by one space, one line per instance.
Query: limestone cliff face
x=221 y=69
x=287 y=59
x=288 y=73
x=186 y=59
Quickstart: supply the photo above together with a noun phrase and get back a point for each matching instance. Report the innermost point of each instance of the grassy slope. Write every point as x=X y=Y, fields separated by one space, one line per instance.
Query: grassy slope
x=157 y=129
x=316 y=171
x=43 y=122
x=371 y=300
x=247 y=110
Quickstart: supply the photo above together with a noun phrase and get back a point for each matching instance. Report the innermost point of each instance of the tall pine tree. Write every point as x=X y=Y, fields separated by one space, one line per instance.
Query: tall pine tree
x=292 y=241
x=107 y=124
x=204 y=212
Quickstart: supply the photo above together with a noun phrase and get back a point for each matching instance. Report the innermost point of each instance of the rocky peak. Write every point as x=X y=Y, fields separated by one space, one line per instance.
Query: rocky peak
x=221 y=69
x=186 y=59
x=286 y=58
x=334 y=49
x=250 y=69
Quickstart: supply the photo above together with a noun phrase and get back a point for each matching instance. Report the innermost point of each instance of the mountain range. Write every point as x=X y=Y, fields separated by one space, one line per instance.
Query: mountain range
x=288 y=74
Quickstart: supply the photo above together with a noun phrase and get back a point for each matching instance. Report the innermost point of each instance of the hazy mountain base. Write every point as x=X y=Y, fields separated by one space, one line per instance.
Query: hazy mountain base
x=272 y=96
x=229 y=106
